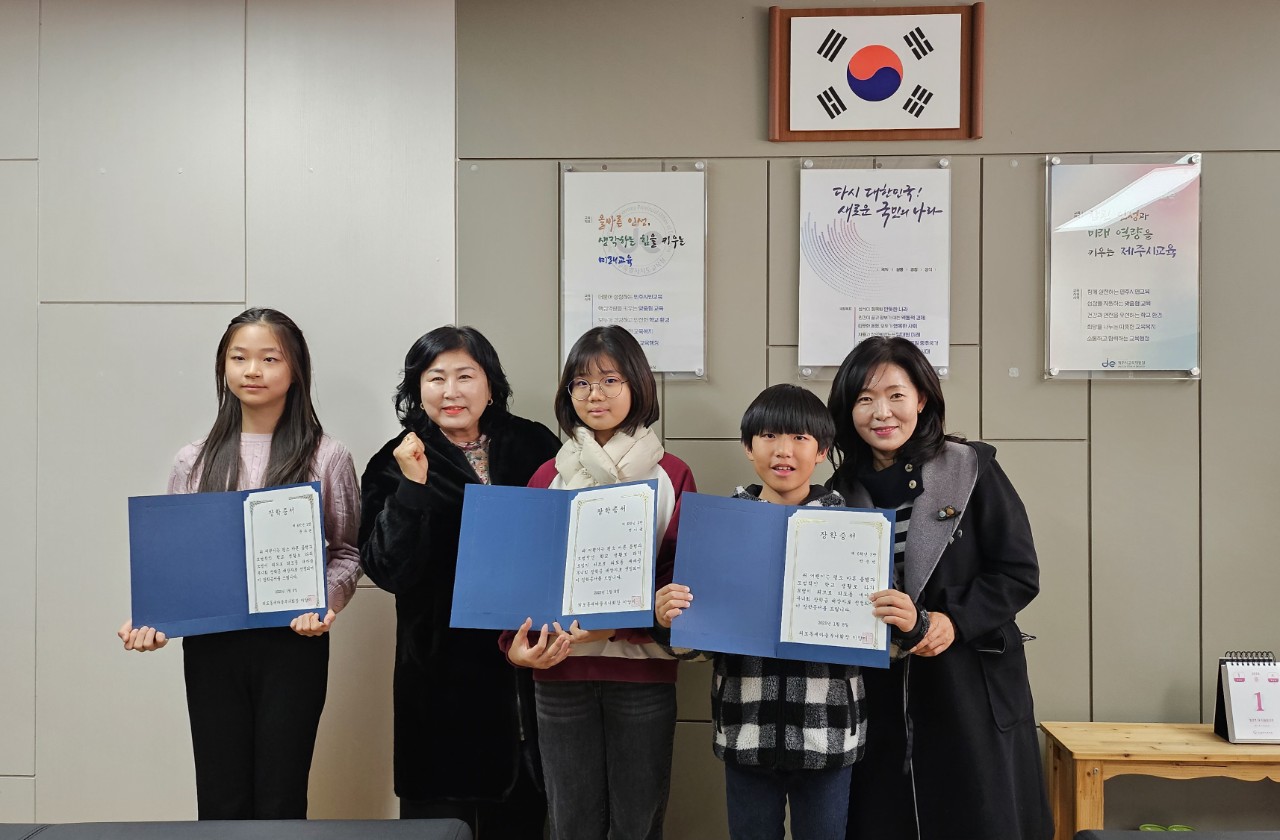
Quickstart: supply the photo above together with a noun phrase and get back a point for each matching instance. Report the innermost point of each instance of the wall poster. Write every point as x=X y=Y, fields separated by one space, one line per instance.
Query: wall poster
x=1123 y=273
x=875 y=259
x=634 y=254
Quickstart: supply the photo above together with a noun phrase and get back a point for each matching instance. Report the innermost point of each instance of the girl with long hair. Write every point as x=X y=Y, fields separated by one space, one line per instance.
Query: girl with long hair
x=254 y=697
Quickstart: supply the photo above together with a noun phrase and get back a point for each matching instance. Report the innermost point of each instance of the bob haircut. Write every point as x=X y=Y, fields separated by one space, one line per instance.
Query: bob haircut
x=788 y=410
x=297 y=432
x=854 y=376
x=613 y=342
x=424 y=351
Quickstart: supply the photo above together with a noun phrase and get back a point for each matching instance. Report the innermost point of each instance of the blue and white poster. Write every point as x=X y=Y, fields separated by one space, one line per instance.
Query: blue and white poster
x=635 y=255
x=875 y=259
x=1124 y=267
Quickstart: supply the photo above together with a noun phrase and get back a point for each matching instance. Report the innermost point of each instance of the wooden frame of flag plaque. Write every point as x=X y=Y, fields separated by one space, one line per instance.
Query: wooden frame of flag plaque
x=902 y=73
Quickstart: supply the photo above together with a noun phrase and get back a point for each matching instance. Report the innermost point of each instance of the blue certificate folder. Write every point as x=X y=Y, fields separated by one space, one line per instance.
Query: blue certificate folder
x=511 y=561
x=731 y=553
x=187 y=564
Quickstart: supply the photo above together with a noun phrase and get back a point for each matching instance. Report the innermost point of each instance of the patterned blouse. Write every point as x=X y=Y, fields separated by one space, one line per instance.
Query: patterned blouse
x=477 y=452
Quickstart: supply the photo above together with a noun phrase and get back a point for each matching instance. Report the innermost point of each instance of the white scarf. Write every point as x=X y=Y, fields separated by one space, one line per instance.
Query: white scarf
x=582 y=462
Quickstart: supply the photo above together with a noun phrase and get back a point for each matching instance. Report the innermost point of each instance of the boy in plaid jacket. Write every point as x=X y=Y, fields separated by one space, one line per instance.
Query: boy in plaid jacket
x=785 y=729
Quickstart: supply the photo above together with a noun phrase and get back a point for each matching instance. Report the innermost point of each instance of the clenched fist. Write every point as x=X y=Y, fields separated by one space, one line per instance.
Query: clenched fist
x=411 y=455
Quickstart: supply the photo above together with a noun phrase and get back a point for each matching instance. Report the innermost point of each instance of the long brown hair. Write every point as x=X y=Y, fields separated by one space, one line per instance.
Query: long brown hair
x=296 y=435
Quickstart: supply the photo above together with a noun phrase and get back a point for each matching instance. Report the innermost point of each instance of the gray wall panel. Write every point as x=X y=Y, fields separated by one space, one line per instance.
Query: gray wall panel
x=737 y=287
x=962 y=391
x=143 y=389
x=784 y=250
x=142 y=151
x=710 y=64
x=1017 y=403
x=1052 y=477
x=509 y=272
x=696 y=810
x=18 y=454
x=348 y=161
x=19 y=72
x=351 y=775
x=966 y=250
x=17 y=799
x=693 y=691
x=718 y=465
x=1144 y=475
x=1239 y=454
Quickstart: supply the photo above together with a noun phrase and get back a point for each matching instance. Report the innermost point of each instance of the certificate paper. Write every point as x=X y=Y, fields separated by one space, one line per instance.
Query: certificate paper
x=606 y=566
x=556 y=555
x=834 y=561
x=284 y=550
x=783 y=581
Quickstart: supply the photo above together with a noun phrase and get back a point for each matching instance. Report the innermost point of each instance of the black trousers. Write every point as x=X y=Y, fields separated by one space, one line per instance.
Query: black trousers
x=521 y=816
x=254 y=698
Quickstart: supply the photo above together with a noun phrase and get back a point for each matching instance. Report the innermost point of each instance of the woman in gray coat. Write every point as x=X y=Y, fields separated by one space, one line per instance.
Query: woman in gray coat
x=951 y=748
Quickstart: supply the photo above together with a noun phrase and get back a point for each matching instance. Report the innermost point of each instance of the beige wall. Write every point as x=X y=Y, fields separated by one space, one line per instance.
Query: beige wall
x=1149 y=530
x=162 y=165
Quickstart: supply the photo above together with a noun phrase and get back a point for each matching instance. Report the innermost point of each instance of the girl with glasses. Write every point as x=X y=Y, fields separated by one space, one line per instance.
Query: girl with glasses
x=606 y=699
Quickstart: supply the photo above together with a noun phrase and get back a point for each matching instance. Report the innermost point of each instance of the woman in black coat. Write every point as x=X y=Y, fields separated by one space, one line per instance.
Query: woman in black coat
x=951 y=735
x=465 y=743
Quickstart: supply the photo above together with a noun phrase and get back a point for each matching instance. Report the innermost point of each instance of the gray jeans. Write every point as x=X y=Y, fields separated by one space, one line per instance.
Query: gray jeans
x=606 y=756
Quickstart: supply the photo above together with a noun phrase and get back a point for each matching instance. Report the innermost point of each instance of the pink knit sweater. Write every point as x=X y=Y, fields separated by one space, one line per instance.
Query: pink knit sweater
x=340 y=493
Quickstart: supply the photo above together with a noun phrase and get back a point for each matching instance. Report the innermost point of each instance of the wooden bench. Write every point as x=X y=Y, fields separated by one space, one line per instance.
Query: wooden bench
x=1084 y=755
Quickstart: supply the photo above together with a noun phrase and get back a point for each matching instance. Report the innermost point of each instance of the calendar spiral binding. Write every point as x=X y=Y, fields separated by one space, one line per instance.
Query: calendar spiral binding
x=1249 y=657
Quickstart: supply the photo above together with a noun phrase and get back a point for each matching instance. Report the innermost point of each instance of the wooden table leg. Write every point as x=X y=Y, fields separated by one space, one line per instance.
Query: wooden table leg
x=1062 y=782
x=1088 y=798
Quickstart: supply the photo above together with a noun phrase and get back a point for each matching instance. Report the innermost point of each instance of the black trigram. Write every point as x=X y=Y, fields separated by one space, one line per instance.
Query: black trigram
x=831 y=45
x=831 y=102
x=919 y=44
x=916 y=101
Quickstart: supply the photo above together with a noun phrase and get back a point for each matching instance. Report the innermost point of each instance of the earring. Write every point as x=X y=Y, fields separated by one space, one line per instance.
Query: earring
x=490 y=402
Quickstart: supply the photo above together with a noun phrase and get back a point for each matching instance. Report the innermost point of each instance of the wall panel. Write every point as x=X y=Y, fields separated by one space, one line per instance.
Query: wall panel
x=144 y=391
x=17 y=799
x=348 y=160
x=142 y=151
x=1144 y=479
x=693 y=691
x=709 y=60
x=18 y=454
x=696 y=809
x=351 y=774
x=737 y=287
x=1052 y=477
x=19 y=72
x=1017 y=402
x=1238 y=398
x=509 y=270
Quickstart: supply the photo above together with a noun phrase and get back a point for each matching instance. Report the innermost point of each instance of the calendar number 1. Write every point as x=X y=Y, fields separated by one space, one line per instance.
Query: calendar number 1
x=1258 y=694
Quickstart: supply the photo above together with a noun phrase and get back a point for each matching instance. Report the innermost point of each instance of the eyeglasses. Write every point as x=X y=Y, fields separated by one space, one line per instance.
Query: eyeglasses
x=610 y=387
